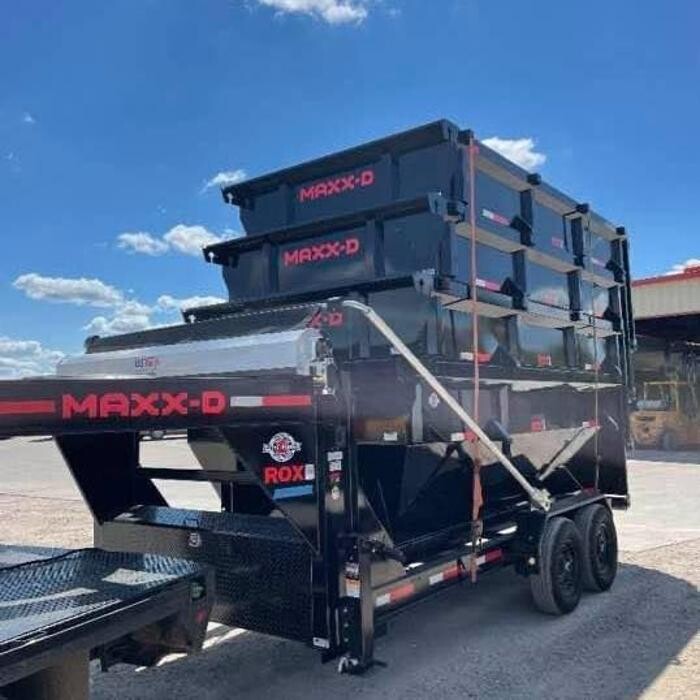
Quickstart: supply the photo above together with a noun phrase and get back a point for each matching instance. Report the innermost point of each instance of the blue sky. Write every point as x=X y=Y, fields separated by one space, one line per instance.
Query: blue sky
x=116 y=118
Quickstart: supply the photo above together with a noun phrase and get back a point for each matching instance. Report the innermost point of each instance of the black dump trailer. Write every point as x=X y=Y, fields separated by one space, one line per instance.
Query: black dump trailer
x=420 y=376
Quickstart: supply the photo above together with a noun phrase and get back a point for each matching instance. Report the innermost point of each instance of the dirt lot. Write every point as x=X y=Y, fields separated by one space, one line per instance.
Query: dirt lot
x=639 y=640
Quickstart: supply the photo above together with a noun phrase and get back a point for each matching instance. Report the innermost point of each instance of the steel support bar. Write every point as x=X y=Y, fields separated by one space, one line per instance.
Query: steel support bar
x=538 y=497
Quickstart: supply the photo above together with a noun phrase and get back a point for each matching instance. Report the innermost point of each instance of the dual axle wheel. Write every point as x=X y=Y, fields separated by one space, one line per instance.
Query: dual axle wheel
x=575 y=555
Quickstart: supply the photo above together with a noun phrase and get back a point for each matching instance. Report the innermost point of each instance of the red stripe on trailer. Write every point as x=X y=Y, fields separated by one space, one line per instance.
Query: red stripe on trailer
x=493 y=555
x=395 y=595
x=405 y=591
x=466 y=436
x=451 y=572
x=17 y=408
x=480 y=356
x=274 y=400
x=287 y=400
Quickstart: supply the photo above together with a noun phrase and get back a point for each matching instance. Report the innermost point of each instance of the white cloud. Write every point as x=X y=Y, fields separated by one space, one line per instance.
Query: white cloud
x=521 y=151
x=142 y=242
x=168 y=303
x=682 y=267
x=190 y=239
x=131 y=316
x=181 y=238
x=23 y=358
x=224 y=178
x=121 y=315
x=330 y=11
x=28 y=118
x=101 y=325
x=127 y=317
x=80 y=291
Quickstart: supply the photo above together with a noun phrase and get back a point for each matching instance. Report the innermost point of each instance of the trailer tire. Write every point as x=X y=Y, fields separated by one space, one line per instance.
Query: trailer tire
x=597 y=528
x=556 y=588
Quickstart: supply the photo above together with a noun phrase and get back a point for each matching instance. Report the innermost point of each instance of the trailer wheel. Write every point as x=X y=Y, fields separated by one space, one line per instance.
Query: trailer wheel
x=556 y=588
x=597 y=529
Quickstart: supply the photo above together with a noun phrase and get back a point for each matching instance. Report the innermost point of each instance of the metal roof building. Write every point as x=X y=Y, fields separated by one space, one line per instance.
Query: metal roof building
x=668 y=306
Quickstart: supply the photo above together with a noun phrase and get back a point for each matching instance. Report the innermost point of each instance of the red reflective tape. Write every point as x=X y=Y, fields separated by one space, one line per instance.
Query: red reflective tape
x=405 y=591
x=287 y=400
x=493 y=555
x=451 y=572
x=544 y=360
x=8 y=408
x=538 y=424
x=488 y=284
x=493 y=216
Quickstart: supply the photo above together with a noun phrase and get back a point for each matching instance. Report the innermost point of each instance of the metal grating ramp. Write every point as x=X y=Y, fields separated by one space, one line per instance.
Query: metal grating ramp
x=48 y=594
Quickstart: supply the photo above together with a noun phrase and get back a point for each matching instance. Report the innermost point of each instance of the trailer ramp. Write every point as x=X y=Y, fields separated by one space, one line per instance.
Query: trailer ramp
x=58 y=608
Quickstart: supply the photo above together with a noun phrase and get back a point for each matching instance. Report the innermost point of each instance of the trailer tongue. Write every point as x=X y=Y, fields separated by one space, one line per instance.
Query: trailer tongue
x=409 y=385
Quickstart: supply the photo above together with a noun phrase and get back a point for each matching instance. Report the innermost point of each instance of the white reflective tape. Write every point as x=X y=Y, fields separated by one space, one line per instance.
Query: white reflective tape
x=335 y=466
x=334 y=456
x=246 y=401
x=383 y=599
x=436 y=578
x=309 y=472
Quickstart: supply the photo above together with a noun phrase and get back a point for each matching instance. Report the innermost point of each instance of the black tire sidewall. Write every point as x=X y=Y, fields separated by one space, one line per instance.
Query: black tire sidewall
x=601 y=516
x=566 y=538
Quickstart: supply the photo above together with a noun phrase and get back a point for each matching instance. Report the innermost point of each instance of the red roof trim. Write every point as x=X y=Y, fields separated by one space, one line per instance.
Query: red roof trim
x=688 y=274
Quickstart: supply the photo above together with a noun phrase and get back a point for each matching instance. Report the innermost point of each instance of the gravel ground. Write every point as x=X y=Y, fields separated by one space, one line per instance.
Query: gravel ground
x=638 y=640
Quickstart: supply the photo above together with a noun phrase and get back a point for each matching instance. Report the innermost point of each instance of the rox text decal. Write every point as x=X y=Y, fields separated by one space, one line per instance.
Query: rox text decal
x=288 y=473
x=336 y=185
x=321 y=251
x=135 y=405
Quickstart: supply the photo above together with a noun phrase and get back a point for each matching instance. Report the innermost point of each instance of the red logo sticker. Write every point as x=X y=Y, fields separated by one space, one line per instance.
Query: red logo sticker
x=281 y=447
x=327 y=250
x=336 y=185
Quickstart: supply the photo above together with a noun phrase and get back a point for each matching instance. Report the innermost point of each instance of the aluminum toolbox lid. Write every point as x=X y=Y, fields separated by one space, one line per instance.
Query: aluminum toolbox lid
x=291 y=350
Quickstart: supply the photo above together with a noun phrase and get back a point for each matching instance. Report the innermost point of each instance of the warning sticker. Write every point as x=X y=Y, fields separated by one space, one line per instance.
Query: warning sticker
x=352 y=588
